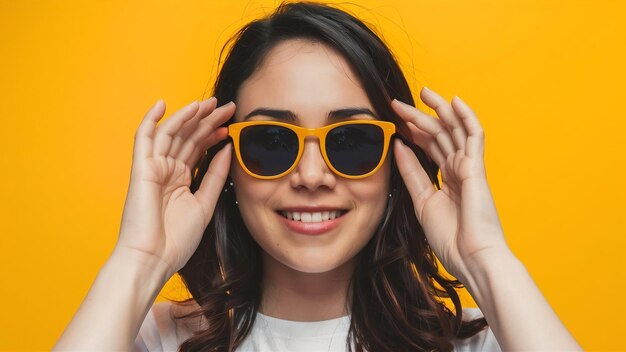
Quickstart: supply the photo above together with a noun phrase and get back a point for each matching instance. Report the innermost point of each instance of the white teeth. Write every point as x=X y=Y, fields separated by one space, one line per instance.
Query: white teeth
x=311 y=217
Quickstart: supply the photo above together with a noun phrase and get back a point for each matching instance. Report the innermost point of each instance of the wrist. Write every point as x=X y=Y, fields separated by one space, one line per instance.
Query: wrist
x=141 y=267
x=490 y=269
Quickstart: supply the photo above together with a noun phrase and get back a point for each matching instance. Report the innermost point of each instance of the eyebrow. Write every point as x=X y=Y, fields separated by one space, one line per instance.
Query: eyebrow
x=287 y=115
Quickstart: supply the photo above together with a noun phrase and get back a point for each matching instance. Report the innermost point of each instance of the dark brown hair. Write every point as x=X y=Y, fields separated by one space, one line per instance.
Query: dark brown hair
x=396 y=287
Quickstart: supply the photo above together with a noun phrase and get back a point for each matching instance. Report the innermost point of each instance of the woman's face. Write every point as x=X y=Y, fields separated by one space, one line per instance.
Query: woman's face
x=310 y=82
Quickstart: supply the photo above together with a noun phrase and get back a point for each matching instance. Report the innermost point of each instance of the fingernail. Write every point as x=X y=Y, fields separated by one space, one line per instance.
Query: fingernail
x=401 y=102
x=229 y=103
x=459 y=99
x=426 y=89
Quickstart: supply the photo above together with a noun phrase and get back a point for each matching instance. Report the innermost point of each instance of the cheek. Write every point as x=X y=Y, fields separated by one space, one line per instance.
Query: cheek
x=372 y=201
x=253 y=196
x=371 y=196
x=373 y=192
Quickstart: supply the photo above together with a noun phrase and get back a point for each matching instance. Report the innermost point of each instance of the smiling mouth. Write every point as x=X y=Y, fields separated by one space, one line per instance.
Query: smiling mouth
x=319 y=216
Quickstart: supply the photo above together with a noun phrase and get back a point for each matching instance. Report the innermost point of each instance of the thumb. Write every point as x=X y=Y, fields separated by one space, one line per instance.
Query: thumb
x=415 y=177
x=213 y=181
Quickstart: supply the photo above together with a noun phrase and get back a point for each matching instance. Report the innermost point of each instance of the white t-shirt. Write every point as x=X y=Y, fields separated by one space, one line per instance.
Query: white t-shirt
x=160 y=332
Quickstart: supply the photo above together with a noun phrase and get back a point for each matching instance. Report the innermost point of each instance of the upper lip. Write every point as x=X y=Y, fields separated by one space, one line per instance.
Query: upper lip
x=311 y=209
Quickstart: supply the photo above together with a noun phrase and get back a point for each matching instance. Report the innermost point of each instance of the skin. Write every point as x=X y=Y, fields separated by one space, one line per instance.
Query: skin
x=306 y=277
x=163 y=222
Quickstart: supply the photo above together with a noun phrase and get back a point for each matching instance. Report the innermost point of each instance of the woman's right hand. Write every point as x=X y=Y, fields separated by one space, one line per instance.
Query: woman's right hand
x=163 y=222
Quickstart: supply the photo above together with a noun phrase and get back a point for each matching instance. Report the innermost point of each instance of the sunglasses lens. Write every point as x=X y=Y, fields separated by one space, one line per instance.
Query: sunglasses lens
x=268 y=150
x=355 y=149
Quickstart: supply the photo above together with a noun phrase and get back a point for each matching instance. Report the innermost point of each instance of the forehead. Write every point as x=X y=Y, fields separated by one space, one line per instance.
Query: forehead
x=303 y=76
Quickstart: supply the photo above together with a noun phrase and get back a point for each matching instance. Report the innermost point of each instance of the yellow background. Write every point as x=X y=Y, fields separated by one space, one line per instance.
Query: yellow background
x=546 y=78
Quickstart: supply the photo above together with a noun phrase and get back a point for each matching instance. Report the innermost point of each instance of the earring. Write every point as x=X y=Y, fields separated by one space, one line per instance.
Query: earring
x=231 y=186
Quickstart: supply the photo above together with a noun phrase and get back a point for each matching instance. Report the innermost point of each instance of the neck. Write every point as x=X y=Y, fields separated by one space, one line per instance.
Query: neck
x=294 y=295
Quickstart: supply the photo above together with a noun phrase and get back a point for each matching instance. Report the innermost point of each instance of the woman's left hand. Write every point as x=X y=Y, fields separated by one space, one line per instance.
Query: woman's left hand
x=460 y=220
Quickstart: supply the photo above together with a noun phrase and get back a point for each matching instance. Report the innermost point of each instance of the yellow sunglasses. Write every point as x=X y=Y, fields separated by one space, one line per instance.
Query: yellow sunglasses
x=270 y=149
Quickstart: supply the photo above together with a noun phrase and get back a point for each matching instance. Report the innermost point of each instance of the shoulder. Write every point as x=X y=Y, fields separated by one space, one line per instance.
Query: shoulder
x=482 y=341
x=160 y=330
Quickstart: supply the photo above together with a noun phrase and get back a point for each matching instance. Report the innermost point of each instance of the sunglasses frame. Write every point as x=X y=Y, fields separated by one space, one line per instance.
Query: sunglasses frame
x=388 y=128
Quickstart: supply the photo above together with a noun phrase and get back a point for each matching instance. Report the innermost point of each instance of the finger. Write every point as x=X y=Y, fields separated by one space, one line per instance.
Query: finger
x=206 y=107
x=461 y=167
x=213 y=181
x=415 y=177
x=447 y=114
x=427 y=143
x=166 y=130
x=475 y=145
x=217 y=136
x=205 y=128
x=426 y=123
x=450 y=177
x=145 y=131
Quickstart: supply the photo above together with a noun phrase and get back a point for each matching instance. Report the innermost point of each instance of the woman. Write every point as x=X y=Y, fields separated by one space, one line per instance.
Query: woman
x=315 y=213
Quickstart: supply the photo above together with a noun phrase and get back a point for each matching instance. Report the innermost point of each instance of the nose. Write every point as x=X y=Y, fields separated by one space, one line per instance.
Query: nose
x=312 y=172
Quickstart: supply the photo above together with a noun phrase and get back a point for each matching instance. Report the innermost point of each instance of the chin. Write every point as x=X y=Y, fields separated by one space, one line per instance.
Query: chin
x=315 y=263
